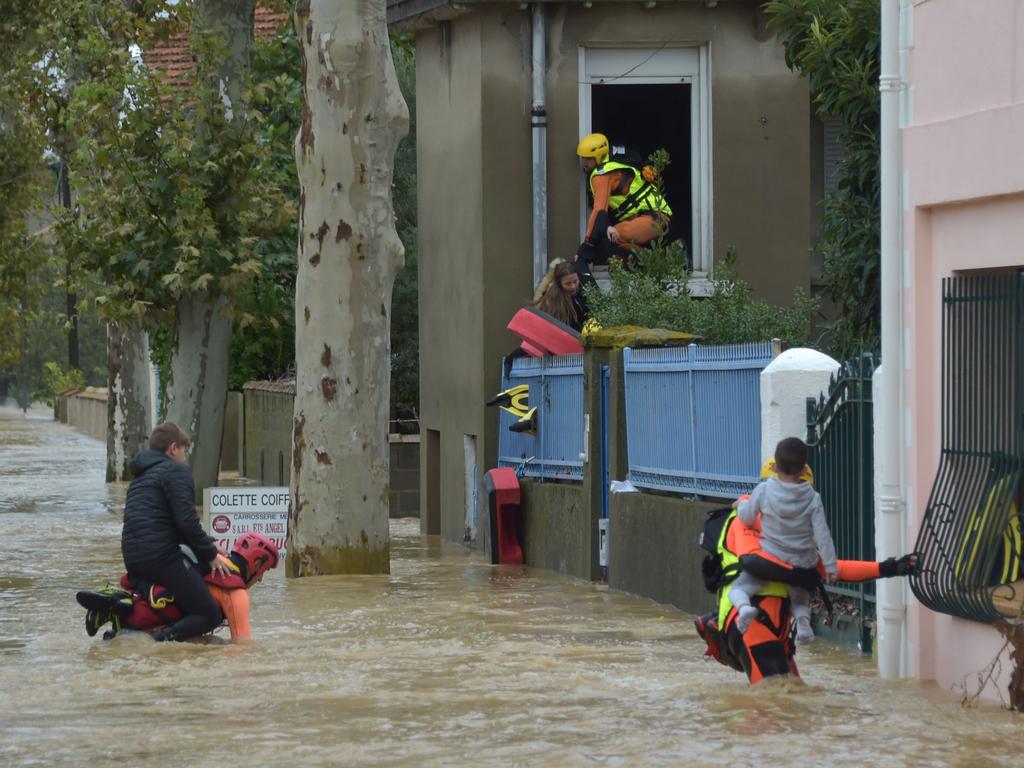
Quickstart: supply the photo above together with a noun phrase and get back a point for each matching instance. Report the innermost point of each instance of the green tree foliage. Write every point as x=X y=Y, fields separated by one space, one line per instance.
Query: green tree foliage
x=729 y=315
x=405 y=368
x=175 y=194
x=153 y=188
x=263 y=346
x=20 y=165
x=263 y=342
x=836 y=44
x=32 y=304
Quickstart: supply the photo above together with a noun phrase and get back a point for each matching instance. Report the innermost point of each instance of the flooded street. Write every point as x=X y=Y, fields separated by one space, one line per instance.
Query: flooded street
x=448 y=661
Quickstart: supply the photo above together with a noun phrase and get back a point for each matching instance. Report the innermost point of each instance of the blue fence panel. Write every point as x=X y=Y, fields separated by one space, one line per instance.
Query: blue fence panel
x=556 y=389
x=693 y=417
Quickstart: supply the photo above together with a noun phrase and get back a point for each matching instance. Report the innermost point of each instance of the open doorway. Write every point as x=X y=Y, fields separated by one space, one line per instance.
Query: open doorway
x=648 y=99
x=644 y=117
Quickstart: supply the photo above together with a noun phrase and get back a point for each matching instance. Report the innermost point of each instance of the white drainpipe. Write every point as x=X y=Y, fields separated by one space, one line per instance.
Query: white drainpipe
x=539 y=123
x=892 y=609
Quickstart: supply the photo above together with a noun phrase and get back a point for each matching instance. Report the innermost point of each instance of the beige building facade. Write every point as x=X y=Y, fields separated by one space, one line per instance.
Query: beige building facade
x=705 y=79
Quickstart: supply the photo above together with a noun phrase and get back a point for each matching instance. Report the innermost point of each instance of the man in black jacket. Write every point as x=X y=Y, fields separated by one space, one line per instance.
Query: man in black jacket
x=159 y=515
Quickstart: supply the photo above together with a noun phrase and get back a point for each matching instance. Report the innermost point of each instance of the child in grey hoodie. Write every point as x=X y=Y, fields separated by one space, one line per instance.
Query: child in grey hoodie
x=793 y=529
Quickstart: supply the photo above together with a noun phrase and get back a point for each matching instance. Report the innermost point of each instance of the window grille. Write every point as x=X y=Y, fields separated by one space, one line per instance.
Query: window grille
x=970 y=538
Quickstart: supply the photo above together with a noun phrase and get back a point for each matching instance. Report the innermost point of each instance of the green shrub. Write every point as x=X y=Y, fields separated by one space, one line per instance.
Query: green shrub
x=836 y=44
x=56 y=379
x=729 y=315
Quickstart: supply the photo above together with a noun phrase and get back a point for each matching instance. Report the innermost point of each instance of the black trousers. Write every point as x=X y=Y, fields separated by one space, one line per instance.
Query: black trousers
x=191 y=595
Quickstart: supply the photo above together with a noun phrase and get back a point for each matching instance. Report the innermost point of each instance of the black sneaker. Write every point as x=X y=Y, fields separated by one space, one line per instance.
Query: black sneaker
x=108 y=599
x=96 y=618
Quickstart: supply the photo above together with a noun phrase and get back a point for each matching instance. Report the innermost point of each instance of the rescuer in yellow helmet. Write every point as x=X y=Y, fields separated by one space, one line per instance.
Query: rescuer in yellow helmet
x=629 y=210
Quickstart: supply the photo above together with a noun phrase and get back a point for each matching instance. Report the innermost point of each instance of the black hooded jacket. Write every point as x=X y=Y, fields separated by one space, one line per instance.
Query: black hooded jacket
x=160 y=512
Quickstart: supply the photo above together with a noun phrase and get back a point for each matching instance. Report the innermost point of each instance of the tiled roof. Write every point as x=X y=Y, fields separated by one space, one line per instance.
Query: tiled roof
x=173 y=57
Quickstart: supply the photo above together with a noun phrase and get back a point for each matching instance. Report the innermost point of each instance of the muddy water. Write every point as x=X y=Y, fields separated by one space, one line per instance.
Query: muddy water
x=447 y=661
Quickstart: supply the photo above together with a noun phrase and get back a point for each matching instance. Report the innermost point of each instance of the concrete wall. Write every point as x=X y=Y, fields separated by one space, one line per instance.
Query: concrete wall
x=556 y=529
x=60 y=404
x=653 y=550
x=231 y=443
x=473 y=154
x=450 y=170
x=267 y=425
x=963 y=210
x=87 y=412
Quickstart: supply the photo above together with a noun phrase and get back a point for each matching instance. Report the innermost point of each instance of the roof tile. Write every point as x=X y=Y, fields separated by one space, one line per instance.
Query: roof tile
x=173 y=56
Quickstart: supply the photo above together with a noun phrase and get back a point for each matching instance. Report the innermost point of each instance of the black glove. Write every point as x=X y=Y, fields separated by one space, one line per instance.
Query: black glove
x=904 y=566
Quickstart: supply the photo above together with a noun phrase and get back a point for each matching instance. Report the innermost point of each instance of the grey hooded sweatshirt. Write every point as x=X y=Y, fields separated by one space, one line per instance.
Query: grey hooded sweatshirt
x=793 y=525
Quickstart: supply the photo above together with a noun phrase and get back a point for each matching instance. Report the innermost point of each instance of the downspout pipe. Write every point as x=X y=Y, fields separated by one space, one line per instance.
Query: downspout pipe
x=891 y=506
x=539 y=127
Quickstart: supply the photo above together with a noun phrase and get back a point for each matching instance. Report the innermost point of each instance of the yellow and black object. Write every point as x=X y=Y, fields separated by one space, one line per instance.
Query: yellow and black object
x=516 y=400
x=528 y=423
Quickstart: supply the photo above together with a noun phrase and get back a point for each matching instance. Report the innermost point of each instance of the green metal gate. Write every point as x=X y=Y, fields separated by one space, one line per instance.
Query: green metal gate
x=840 y=435
x=970 y=537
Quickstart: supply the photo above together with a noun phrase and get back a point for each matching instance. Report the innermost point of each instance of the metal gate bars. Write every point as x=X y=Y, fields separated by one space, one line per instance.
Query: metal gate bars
x=970 y=538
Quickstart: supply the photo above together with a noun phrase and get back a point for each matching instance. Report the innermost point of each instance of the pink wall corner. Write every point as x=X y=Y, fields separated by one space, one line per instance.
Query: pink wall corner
x=964 y=210
x=944 y=240
x=950 y=79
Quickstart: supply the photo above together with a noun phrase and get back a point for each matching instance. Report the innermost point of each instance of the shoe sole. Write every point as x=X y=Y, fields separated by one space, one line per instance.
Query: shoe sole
x=97 y=601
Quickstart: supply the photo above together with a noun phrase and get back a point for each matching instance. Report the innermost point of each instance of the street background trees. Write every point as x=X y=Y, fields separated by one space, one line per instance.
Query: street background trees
x=836 y=44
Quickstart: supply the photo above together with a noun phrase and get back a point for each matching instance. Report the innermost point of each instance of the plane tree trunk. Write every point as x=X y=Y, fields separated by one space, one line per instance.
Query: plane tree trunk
x=197 y=388
x=349 y=254
x=128 y=397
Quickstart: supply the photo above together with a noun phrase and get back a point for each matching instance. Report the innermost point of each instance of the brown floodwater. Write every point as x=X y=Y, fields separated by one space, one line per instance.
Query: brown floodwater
x=448 y=661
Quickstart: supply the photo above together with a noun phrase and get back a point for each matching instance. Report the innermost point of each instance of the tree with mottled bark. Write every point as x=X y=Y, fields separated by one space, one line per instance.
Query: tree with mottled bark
x=349 y=254
x=128 y=397
x=197 y=386
x=177 y=199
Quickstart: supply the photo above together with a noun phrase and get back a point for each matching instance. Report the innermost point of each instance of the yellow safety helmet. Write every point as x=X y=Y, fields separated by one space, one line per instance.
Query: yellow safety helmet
x=593 y=145
x=768 y=470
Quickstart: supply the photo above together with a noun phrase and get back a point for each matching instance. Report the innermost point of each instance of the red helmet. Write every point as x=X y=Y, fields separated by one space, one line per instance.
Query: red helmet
x=259 y=553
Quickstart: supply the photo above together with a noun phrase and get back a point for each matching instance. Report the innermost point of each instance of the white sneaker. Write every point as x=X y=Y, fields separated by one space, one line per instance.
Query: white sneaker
x=746 y=615
x=804 y=633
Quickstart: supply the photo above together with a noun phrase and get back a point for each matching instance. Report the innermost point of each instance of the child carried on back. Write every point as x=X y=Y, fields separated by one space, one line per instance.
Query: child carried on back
x=793 y=531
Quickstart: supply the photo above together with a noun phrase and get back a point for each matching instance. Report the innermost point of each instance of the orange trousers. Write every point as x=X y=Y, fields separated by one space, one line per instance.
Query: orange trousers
x=641 y=229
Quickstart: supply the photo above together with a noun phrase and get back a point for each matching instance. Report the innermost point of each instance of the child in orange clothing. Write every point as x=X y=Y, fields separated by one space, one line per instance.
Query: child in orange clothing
x=234 y=604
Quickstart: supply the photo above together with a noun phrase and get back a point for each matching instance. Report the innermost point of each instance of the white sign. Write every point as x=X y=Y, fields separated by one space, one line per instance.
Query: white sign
x=232 y=512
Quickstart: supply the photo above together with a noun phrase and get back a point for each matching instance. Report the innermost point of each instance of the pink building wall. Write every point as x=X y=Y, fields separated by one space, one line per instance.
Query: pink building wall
x=963 y=209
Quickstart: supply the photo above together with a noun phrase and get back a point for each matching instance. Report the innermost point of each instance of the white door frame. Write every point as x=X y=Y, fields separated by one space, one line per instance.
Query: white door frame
x=600 y=65
x=470 y=466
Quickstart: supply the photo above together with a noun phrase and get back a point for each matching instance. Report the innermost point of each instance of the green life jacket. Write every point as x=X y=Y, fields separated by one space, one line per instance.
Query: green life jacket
x=731 y=564
x=642 y=197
